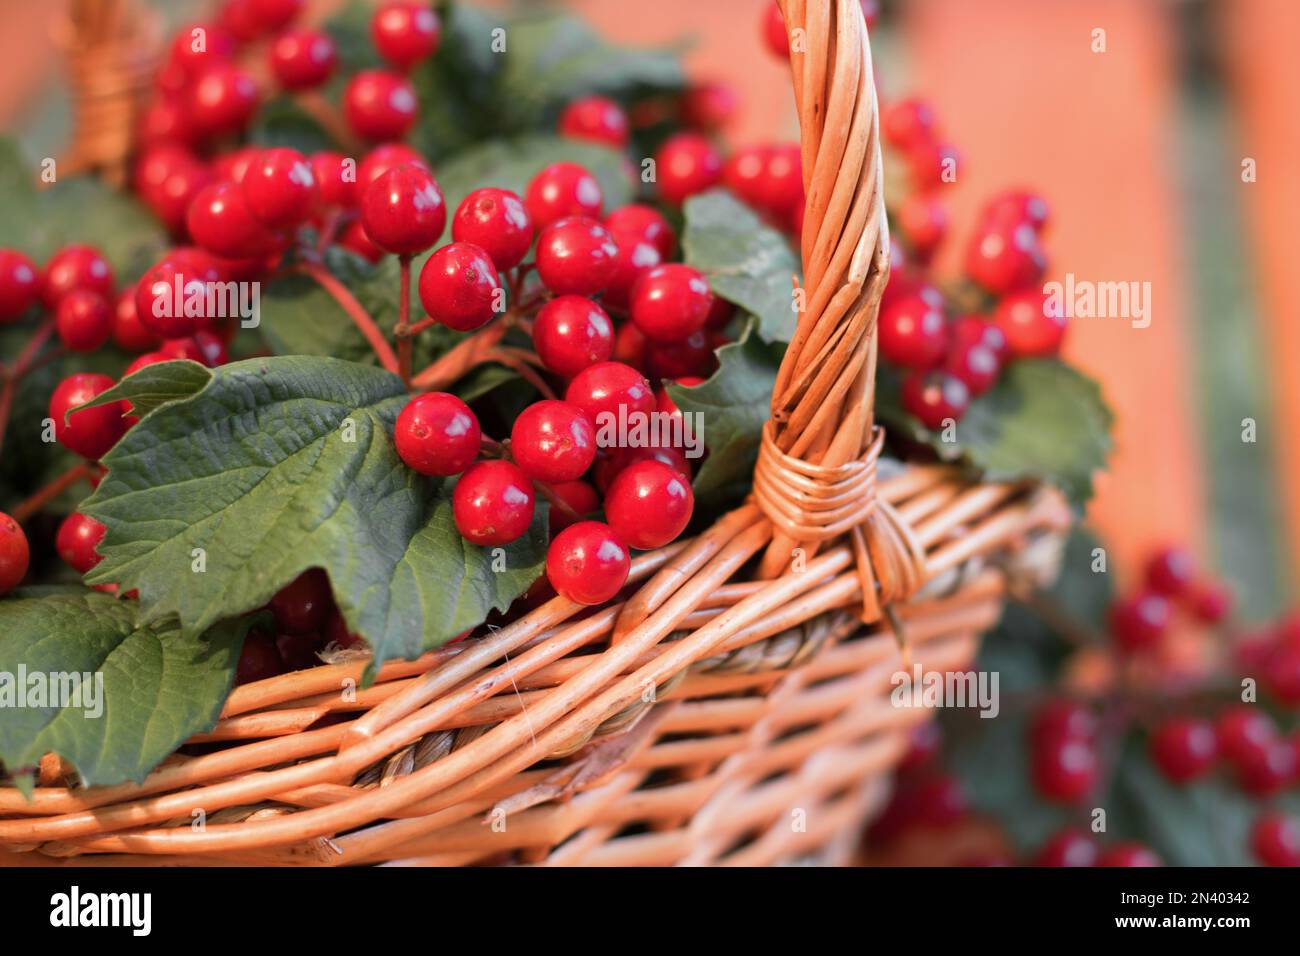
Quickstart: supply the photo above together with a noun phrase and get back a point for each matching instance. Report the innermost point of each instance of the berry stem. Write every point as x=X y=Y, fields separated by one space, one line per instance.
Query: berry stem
x=355 y=311
x=403 y=330
x=44 y=496
x=460 y=358
x=514 y=359
x=24 y=363
x=556 y=501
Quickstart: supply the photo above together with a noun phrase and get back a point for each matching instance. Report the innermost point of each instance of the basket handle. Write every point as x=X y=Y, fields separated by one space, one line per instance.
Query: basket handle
x=815 y=477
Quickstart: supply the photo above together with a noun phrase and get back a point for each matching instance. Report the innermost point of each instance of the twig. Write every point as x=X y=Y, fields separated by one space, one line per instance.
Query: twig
x=354 y=309
x=45 y=495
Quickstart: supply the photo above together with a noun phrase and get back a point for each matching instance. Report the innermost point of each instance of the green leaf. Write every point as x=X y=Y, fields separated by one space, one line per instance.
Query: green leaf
x=734 y=403
x=278 y=465
x=155 y=385
x=748 y=263
x=282 y=122
x=82 y=210
x=510 y=164
x=150 y=687
x=1042 y=420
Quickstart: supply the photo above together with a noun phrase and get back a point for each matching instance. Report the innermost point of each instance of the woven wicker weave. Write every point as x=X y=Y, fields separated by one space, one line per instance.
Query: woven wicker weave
x=735 y=710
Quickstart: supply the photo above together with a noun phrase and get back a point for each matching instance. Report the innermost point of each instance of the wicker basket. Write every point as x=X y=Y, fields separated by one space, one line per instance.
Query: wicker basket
x=735 y=710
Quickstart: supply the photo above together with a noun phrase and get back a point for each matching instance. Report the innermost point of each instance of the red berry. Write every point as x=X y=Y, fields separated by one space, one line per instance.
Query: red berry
x=258 y=659
x=298 y=651
x=931 y=164
x=167 y=178
x=587 y=563
x=603 y=389
x=1005 y=258
x=575 y=256
x=1282 y=675
x=1275 y=839
x=220 y=221
x=976 y=330
x=923 y=221
x=279 y=187
x=913 y=333
x=76 y=267
x=337 y=633
x=1264 y=771
x=405 y=33
x=202 y=347
x=976 y=365
x=710 y=105
x=635 y=257
x=355 y=240
x=303 y=59
x=1243 y=731
x=1184 y=748
x=459 y=286
x=403 y=211
x=670 y=302
x=83 y=320
x=1128 y=855
x=1211 y=601
x=691 y=357
x=271 y=15
x=1170 y=571
x=935 y=398
x=20 y=284
x=92 y=431
x=774 y=35
x=1016 y=206
x=596 y=119
x=614 y=461
x=145 y=360
x=579 y=497
x=199 y=46
x=437 y=434
x=493 y=503
x=629 y=345
x=907 y=123
x=379 y=105
x=570 y=333
x=384 y=157
x=14 y=553
x=649 y=504
x=1069 y=848
x=1060 y=719
x=686 y=164
x=1064 y=769
x=78 y=537
x=1140 y=621
x=162 y=293
x=129 y=333
x=562 y=190
x=1033 y=324
x=302 y=605
x=336 y=179
x=644 y=222
x=553 y=441
x=222 y=99
x=496 y=221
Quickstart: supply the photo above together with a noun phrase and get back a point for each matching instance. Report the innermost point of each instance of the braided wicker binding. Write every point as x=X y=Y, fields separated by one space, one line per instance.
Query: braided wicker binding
x=734 y=710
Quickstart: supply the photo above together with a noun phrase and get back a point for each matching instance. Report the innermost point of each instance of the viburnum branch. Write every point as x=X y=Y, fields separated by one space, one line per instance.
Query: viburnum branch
x=460 y=358
x=25 y=509
x=511 y=359
x=355 y=311
x=26 y=360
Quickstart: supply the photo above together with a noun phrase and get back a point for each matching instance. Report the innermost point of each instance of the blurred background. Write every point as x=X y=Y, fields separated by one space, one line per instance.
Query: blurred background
x=1164 y=135
x=1139 y=150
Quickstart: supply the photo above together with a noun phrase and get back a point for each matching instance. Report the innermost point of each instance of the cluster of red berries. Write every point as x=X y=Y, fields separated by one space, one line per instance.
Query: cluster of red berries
x=927 y=798
x=1140 y=621
x=953 y=355
x=588 y=267
x=305 y=621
